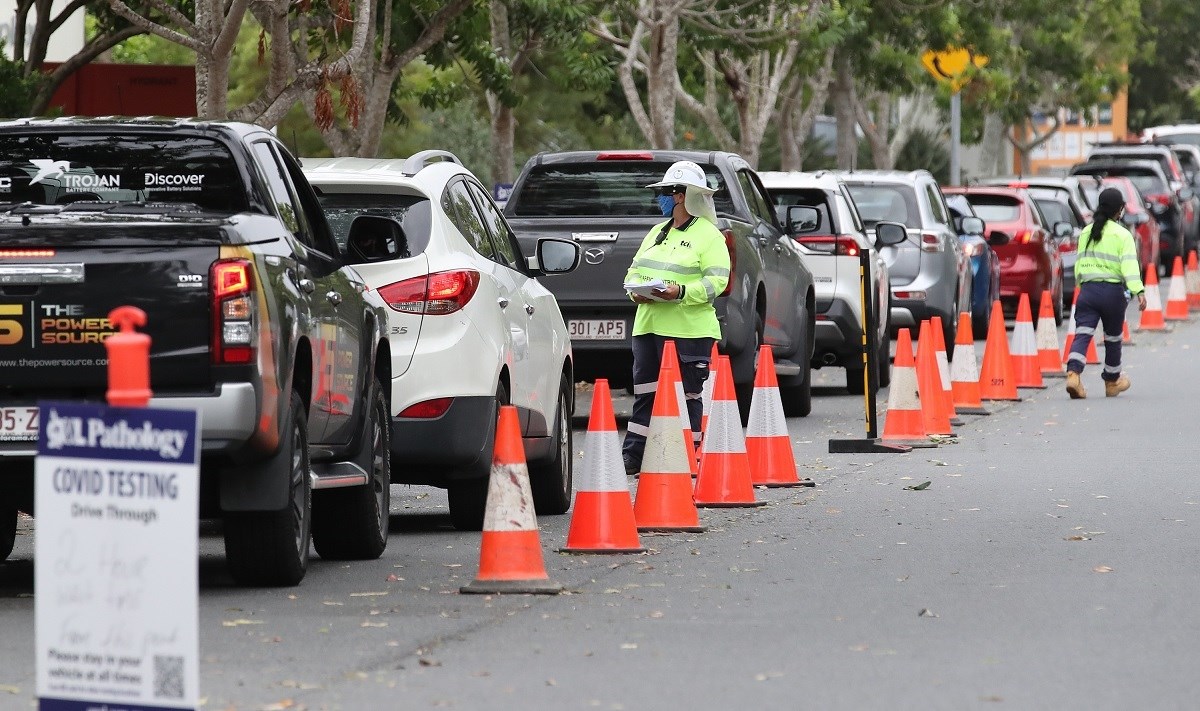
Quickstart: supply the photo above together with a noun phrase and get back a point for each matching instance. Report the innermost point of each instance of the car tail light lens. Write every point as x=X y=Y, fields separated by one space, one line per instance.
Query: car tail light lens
x=26 y=253
x=1026 y=237
x=731 y=246
x=625 y=155
x=841 y=245
x=1018 y=184
x=428 y=409
x=435 y=294
x=1066 y=246
x=234 y=311
x=930 y=242
x=917 y=295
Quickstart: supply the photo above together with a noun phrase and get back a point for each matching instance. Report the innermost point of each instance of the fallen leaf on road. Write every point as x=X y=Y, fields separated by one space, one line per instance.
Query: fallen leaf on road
x=1078 y=538
x=240 y=622
x=374 y=624
x=919 y=487
x=332 y=603
x=859 y=648
x=426 y=662
x=629 y=645
x=10 y=689
x=1102 y=569
x=367 y=594
x=926 y=612
x=280 y=705
x=938 y=463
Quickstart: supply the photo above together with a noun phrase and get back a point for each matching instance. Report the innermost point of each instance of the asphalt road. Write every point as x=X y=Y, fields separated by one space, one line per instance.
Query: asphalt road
x=1050 y=564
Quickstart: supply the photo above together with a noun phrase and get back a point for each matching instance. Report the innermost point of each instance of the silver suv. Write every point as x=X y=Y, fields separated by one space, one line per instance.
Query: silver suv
x=930 y=273
x=831 y=244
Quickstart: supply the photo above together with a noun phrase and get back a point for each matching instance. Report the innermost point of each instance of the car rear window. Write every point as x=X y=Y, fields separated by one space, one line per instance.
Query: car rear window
x=411 y=211
x=600 y=188
x=1146 y=183
x=996 y=208
x=1053 y=210
x=782 y=198
x=893 y=203
x=50 y=169
x=1189 y=138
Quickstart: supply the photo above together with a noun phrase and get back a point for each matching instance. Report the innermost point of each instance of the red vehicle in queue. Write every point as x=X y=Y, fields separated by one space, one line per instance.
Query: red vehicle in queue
x=1030 y=262
x=1147 y=233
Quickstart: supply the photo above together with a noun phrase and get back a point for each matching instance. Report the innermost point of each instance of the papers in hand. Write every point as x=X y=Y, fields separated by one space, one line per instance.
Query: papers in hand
x=647 y=288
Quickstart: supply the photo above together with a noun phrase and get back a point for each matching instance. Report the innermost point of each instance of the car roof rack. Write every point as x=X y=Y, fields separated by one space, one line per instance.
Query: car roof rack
x=417 y=161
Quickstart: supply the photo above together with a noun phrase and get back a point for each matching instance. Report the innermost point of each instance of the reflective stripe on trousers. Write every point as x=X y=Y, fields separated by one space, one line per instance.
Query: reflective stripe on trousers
x=1099 y=302
x=694 y=354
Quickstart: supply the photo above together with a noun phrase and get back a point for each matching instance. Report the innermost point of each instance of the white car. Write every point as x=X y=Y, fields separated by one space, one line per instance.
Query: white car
x=831 y=245
x=470 y=327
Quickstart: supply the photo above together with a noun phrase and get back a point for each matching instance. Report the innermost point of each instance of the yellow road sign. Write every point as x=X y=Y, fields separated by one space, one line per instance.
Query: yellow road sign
x=950 y=66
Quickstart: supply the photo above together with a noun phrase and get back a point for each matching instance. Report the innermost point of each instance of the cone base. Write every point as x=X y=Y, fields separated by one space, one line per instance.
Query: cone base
x=672 y=529
x=972 y=410
x=956 y=421
x=1004 y=399
x=865 y=446
x=1041 y=386
x=729 y=504
x=511 y=587
x=783 y=484
x=913 y=443
x=600 y=551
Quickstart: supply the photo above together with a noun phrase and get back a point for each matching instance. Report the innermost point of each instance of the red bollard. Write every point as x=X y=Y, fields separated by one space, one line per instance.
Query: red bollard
x=128 y=359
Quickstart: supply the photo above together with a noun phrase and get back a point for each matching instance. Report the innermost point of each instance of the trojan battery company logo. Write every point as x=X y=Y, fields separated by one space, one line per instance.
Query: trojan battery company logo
x=50 y=169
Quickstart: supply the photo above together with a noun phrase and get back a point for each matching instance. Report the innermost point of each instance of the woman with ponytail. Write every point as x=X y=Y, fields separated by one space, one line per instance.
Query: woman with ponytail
x=1107 y=272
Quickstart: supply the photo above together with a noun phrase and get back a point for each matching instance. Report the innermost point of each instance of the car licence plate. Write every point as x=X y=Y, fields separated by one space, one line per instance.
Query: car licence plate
x=608 y=329
x=18 y=424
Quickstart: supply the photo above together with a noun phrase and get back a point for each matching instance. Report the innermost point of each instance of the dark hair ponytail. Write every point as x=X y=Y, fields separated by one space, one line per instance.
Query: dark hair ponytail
x=1100 y=220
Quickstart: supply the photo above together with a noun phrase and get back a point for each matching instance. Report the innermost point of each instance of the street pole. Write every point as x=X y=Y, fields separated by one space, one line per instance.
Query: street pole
x=955 y=138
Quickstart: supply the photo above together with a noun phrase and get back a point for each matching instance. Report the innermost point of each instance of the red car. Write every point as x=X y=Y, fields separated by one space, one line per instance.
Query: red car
x=1030 y=263
x=1146 y=230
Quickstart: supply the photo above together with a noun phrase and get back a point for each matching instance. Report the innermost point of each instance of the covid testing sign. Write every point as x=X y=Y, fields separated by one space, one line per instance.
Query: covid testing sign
x=115 y=586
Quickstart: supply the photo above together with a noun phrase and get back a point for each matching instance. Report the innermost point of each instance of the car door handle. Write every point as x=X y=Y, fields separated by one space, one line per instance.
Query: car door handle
x=308 y=286
x=333 y=297
x=529 y=309
x=503 y=301
x=762 y=241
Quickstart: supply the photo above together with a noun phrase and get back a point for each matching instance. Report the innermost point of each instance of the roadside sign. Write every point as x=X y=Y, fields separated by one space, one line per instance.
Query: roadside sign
x=949 y=66
x=115 y=585
x=501 y=192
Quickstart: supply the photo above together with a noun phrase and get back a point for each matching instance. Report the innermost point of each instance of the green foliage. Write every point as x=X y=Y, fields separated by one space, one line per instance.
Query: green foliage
x=1158 y=88
x=926 y=149
x=16 y=90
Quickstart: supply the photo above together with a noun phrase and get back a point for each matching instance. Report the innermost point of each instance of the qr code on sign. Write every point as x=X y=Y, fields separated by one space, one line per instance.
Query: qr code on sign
x=168 y=677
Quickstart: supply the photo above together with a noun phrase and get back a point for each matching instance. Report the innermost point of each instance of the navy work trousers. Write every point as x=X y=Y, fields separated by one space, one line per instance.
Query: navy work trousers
x=1099 y=302
x=694 y=354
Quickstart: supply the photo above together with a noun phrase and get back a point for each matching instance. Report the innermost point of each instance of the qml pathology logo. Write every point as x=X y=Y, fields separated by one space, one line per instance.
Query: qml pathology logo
x=94 y=432
x=50 y=169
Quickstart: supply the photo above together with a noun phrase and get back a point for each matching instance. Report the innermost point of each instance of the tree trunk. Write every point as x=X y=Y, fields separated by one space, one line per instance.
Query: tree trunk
x=790 y=144
x=877 y=126
x=504 y=129
x=843 y=111
x=992 y=160
x=662 y=76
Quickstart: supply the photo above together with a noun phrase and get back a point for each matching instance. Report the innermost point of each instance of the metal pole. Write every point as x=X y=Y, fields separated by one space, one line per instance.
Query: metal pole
x=955 y=138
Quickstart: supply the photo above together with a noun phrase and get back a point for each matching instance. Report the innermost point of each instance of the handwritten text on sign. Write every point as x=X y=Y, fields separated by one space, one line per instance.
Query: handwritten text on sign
x=116 y=549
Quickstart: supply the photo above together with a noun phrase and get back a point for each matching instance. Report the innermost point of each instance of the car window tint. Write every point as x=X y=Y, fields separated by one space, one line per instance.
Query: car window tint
x=459 y=207
x=280 y=193
x=811 y=197
x=502 y=237
x=893 y=203
x=935 y=204
x=1055 y=211
x=996 y=208
x=1189 y=138
x=600 y=188
x=411 y=211
x=756 y=208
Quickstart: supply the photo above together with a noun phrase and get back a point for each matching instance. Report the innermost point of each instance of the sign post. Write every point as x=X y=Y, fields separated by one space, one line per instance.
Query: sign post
x=950 y=66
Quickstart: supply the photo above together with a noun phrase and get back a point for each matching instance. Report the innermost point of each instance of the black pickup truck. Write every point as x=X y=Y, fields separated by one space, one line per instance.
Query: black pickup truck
x=599 y=199
x=256 y=322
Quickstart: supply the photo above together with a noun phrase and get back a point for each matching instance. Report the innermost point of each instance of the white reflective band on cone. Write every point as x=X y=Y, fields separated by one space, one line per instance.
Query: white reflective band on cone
x=509 y=500
x=602 y=466
x=1023 y=341
x=963 y=369
x=902 y=394
x=766 y=414
x=724 y=435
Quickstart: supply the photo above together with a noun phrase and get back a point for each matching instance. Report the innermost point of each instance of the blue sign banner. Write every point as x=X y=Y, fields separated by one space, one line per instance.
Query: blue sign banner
x=91 y=431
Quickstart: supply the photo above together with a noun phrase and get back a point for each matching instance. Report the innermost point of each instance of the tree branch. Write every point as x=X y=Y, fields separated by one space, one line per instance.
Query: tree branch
x=151 y=27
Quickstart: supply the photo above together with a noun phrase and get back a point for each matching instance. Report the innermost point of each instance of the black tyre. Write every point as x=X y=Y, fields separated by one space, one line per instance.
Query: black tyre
x=949 y=333
x=352 y=523
x=551 y=481
x=884 y=357
x=270 y=548
x=1059 y=309
x=745 y=367
x=797 y=398
x=8 y=531
x=467 y=491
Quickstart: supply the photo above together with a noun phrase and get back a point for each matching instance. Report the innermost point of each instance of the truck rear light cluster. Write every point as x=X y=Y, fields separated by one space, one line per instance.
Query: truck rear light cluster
x=233 y=309
x=434 y=294
x=930 y=242
x=731 y=246
x=839 y=245
x=625 y=155
x=26 y=253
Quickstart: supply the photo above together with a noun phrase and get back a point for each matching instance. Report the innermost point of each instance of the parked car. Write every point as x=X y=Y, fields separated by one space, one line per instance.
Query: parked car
x=470 y=326
x=1180 y=133
x=256 y=321
x=1074 y=188
x=1030 y=263
x=1161 y=153
x=1189 y=160
x=930 y=273
x=1138 y=218
x=831 y=237
x=1153 y=184
x=599 y=199
x=978 y=243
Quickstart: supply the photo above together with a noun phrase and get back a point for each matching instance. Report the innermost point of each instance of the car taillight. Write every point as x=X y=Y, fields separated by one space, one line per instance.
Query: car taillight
x=1066 y=246
x=930 y=242
x=428 y=409
x=26 y=253
x=1163 y=199
x=435 y=294
x=1027 y=237
x=841 y=245
x=625 y=155
x=231 y=282
x=974 y=249
x=731 y=246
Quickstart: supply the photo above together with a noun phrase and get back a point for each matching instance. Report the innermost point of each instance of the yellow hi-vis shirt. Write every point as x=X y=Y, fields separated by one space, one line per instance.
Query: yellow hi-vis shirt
x=697 y=259
x=1112 y=258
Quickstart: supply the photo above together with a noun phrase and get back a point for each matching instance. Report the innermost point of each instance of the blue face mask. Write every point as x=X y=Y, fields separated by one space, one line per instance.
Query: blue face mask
x=666 y=203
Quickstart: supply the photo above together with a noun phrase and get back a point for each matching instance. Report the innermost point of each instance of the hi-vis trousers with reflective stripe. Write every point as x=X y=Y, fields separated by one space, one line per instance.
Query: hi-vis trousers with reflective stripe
x=1099 y=302
x=694 y=354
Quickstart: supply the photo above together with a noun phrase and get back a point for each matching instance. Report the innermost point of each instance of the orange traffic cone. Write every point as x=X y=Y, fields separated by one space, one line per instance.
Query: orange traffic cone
x=768 y=444
x=1023 y=350
x=1177 y=305
x=1152 y=318
x=1091 y=357
x=664 y=492
x=510 y=553
x=670 y=367
x=1126 y=338
x=1191 y=278
x=904 y=423
x=602 y=520
x=724 y=479
x=929 y=382
x=943 y=364
x=1046 y=337
x=996 y=381
x=964 y=371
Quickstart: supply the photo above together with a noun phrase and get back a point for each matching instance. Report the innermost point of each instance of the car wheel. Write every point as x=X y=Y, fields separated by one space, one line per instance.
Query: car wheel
x=8 y=531
x=950 y=332
x=980 y=322
x=468 y=492
x=797 y=396
x=747 y=363
x=270 y=548
x=551 y=480
x=1058 y=308
x=885 y=361
x=352 y=523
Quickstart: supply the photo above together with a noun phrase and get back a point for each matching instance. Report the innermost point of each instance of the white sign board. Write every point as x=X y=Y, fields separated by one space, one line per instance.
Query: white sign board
x=115 y=585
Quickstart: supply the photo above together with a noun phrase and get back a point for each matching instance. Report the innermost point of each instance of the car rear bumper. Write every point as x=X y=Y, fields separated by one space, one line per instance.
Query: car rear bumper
x=838 y=334
x=430 y=451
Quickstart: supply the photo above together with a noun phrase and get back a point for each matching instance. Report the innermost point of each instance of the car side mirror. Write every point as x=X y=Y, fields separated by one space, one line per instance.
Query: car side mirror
x=972 y=226
x=997 y=238
x=555 y=256
x=1063 y=230
x=801 y=219
x=889 y=234
x=375 y=239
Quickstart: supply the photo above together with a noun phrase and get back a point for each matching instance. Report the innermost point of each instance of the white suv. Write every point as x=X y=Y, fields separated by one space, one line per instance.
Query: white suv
x=470 y=326
x=831 y=248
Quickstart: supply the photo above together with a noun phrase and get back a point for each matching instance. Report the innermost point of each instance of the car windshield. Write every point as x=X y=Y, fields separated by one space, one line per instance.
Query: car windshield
x=996 y=208
x=1189 y=138
x=411 y=211
x=601 y=188
x=891 y=203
